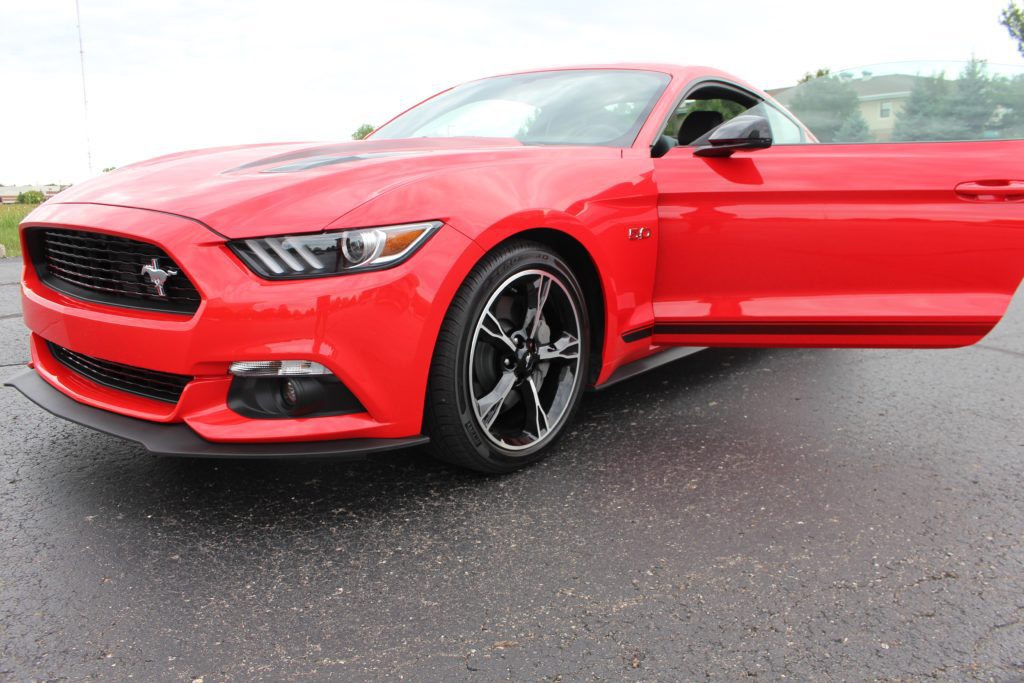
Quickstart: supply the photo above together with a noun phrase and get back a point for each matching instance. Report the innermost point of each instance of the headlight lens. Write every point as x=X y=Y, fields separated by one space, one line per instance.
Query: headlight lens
x=290 y=257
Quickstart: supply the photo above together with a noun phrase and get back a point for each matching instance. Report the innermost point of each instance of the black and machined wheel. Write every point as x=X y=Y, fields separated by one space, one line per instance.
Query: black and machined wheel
x=511 y=361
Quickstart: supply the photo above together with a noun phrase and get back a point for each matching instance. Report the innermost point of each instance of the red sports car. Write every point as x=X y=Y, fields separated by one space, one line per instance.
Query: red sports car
x=461 y=276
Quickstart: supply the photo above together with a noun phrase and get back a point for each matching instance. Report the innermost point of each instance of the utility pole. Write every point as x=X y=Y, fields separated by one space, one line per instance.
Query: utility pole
x=85 y=97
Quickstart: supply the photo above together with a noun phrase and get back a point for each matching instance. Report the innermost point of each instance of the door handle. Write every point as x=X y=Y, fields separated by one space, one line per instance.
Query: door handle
x=992 y=190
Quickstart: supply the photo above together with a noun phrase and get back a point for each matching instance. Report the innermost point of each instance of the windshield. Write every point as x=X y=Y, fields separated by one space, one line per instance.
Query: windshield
x=578 y=107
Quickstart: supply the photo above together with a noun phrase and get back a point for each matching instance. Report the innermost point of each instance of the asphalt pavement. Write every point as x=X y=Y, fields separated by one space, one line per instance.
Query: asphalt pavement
x=800 y=514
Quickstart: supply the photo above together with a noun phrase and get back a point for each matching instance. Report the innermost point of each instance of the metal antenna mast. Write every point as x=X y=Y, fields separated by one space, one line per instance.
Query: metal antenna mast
x=85 y=97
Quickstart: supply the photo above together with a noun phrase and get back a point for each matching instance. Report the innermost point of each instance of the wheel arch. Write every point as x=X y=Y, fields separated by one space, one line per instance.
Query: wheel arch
x=445 y=415
x=583 y=266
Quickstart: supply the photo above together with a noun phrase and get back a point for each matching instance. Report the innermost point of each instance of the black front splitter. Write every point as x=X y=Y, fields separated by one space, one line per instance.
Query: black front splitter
x=178 y=439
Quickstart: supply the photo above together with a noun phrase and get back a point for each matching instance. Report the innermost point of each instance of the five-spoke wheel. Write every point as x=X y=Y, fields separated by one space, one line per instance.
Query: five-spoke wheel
x=525 y=359
x=510 y=362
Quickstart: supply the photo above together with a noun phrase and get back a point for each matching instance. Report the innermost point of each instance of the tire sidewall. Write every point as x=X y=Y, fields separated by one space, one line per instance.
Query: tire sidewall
x=529 y=257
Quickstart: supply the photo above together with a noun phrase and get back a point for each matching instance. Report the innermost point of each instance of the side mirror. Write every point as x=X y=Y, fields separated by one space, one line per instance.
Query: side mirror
x=746 y=131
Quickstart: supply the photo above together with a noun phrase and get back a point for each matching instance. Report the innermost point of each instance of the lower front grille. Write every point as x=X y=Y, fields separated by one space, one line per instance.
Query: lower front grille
x=159 y=386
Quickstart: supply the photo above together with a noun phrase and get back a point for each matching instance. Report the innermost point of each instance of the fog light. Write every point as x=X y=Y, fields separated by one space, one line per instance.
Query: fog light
x=290 y=392
x=270 y=389
x=276 y=368
x=301 y=395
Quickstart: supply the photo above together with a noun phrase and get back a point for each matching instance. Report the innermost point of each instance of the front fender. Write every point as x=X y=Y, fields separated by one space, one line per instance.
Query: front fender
x=596 y=201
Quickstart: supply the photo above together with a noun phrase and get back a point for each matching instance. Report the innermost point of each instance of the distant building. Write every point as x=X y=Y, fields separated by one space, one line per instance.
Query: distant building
x=9 y=193
x=881 y=98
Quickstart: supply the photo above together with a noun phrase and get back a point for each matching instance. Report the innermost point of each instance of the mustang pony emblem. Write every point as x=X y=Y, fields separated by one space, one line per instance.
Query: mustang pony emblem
x=157 y=275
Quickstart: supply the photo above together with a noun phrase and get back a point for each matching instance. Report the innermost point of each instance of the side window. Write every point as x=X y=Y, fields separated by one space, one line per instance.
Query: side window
x=727 y=109
x=784 y=130
x=910 y=102
x=712 y=105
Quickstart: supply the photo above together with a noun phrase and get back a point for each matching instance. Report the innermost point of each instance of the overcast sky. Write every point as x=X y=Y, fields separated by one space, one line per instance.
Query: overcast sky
x=169 y=75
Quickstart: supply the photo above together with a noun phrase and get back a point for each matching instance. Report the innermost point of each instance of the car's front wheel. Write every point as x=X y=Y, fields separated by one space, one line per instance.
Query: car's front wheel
x=510 y=362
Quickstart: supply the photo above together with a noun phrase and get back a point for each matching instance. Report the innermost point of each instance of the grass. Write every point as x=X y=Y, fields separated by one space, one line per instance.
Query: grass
x=10 y=216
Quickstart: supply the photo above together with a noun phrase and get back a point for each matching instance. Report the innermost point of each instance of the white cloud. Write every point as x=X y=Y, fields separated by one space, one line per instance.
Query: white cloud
x=176 y=75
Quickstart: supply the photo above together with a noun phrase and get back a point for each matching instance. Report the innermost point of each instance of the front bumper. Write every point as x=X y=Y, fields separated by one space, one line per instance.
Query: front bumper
x=375 y=331
x=179 y=439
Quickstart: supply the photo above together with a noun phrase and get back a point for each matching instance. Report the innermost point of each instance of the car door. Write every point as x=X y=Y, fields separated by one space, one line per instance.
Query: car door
x=862 y=245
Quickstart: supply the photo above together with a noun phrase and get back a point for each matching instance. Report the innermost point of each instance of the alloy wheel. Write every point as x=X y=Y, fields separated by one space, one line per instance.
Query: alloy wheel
x=524 y=362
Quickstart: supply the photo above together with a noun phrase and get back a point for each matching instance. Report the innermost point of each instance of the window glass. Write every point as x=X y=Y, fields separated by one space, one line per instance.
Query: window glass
x=784 y=130
x=727 y=108
x=911 y=102
x=603 y=107
x=482 y=118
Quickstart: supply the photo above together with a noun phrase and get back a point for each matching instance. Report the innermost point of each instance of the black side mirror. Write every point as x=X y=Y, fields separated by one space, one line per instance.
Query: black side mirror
x=746 y=131
x=662 y=145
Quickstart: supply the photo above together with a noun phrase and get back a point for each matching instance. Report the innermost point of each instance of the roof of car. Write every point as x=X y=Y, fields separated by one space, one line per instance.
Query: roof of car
x=638 y=66
x=686 y=72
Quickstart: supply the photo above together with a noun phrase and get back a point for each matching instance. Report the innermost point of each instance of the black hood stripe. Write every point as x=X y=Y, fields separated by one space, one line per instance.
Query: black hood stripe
x=316 y=162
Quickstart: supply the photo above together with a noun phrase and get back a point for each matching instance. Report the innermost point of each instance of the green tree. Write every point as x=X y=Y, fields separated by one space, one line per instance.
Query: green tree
x=1009 y=117
x=362 y=131
x=727 y=108
x=976 y=102
x=854 y=129
x=927 y=115
x=967 y=108
x=1013 y=19
x=108 y=169
x=820 y=73
x=830 y=108
x=31 y=197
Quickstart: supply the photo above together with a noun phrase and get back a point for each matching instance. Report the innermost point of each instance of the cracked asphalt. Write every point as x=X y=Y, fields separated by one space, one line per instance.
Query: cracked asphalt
x=802 y=514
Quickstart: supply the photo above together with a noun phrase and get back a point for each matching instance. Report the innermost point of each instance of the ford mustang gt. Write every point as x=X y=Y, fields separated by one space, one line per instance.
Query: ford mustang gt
x=462 y=276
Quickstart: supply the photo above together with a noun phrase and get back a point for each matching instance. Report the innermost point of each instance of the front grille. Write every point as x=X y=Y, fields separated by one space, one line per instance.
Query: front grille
x=109 y=270
x=160 y=386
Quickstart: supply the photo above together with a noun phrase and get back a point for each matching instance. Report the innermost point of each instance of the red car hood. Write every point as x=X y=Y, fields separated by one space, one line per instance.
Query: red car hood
x=257 y=190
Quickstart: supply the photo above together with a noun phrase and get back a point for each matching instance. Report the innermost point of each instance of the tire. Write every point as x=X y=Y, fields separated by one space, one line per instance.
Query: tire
x=504 y=384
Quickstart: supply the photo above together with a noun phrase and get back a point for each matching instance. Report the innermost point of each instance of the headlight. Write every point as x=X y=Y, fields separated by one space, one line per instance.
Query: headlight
x=290 y=257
